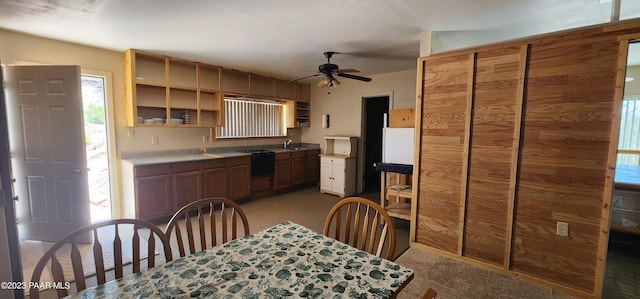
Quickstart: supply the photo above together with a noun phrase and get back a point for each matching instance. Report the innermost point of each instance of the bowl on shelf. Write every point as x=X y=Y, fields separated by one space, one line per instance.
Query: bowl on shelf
x=177 y=121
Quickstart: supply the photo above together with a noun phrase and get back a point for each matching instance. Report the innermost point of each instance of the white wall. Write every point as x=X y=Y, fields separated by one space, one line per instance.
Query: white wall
x=344 y=105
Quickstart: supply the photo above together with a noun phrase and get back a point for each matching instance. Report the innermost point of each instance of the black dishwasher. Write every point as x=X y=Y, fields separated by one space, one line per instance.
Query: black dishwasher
x=262 y=161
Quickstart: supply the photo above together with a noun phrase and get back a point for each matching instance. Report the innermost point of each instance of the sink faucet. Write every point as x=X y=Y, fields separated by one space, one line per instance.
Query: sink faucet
x=286 y=143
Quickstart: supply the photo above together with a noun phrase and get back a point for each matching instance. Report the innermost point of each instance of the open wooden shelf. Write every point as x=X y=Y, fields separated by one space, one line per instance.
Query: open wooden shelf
x=395 y=197
x=178 y=85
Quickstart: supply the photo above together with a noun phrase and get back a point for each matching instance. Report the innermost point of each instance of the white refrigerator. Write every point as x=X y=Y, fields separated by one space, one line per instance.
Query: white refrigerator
x=397 y=145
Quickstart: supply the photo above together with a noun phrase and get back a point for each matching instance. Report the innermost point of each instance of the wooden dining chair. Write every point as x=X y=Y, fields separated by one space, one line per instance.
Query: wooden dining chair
x=107 y=236
x=222 y=227
x=363 y=224
x=429 y=294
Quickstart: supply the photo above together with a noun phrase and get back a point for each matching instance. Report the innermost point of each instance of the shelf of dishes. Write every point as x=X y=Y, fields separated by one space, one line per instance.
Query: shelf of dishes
x=160 y=121
x=157 y=116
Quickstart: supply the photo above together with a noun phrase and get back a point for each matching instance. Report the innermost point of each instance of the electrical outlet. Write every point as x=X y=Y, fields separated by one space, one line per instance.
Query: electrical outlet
x=154 y=139
x=131 y=132
x=562 y=229
x=205 y=138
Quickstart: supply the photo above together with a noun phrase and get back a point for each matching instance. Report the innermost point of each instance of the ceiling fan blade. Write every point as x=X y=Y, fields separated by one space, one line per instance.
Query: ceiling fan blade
x=350 y=76
x=310 y=76
x=347 y=71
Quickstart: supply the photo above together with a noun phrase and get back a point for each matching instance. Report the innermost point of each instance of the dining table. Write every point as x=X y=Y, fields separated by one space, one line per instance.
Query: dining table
x=287 y=260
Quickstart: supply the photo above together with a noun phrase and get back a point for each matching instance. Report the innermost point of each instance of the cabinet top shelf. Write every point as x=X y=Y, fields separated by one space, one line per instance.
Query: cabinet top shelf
x=340 y=145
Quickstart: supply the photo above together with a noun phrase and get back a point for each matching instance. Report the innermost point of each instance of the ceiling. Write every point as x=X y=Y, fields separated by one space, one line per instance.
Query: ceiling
x=286 y=38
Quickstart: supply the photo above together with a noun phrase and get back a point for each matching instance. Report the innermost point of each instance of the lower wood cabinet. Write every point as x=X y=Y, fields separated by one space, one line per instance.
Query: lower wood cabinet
x=240 y=177
x=159 y=190
x=187 y=183
x=298 y=168
x=312 y=166
x=152 y=192
x=282 y=174
x=215 y=175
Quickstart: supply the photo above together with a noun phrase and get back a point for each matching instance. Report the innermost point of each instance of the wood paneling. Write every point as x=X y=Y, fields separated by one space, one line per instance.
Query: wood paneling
x=494 y=115
x=402 y=118
x=514 y=138
x=446 y=86
x=564 y=153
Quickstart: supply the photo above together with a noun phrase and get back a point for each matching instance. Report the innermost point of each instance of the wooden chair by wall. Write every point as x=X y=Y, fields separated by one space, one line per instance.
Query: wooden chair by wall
x=363 y=224
x=121 y=228
x=430 y=294
x=230 y=215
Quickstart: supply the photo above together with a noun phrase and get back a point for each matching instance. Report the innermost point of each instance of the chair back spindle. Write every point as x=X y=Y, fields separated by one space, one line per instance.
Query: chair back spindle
x=77 y=271
x=224 y=225
x=366 y=226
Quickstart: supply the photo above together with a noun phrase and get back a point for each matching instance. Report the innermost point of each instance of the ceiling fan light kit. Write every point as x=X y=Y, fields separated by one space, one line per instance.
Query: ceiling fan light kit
x=328 y=71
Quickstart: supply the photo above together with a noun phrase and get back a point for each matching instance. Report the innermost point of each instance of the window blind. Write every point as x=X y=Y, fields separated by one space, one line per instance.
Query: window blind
x=249 y=118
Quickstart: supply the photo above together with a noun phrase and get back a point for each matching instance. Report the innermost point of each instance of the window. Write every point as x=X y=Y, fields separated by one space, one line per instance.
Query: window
x=629 y=139
x=245 y=118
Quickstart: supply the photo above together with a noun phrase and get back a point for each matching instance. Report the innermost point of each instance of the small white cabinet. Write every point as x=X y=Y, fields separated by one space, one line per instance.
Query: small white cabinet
x=338 y=175
x=338 y=166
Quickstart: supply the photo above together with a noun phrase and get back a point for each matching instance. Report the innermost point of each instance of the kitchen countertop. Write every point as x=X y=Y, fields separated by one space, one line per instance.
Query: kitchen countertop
x=148 y=158
x=627 y=177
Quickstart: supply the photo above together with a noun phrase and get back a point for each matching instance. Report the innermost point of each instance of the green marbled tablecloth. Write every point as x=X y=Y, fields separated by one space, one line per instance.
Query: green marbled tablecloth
x=285 y=261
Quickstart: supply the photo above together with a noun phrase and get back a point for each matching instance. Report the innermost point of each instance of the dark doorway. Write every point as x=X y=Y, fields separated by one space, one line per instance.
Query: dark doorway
x=374 y=110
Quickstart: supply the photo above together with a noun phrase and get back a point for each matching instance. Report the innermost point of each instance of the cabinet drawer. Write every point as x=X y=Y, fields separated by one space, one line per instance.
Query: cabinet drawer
x=333 y=161
x=283 y=156
x=626 y=200
x=311 y=153
x=186 y=166
x=216 y=163
x=261 y=183
x=240 y=161
x=149 y=170
x=299 y=154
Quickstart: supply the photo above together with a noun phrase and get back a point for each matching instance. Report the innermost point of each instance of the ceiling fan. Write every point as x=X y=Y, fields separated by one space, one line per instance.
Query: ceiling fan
x=330 y=70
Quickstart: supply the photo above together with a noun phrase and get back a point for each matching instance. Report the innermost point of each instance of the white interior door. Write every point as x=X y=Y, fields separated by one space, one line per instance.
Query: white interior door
x=46 y=140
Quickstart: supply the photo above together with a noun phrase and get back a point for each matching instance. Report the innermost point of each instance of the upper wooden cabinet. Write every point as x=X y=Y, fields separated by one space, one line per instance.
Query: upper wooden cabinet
x=284 y=89
x=298 y=114
x=234 y=81
x=166 y=92
x=261 y=86
x=163 y=91
x=303 y=92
